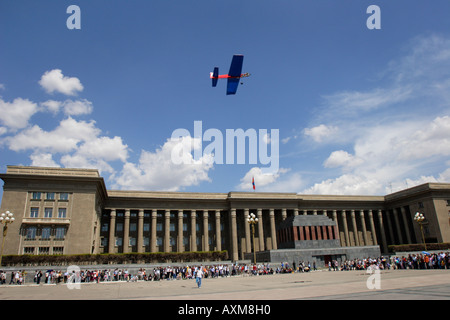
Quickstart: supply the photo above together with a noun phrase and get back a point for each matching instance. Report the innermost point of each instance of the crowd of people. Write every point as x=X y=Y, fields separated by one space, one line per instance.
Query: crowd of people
x=412 y=261
x=423 y=260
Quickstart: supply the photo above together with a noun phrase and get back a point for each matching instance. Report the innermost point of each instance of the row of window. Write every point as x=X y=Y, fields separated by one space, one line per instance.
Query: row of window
x=159 y=227
x=48 y=212
x=43 y=250
x=37 y=195
x=173 y=215
x=45 y=233
x=159 y=241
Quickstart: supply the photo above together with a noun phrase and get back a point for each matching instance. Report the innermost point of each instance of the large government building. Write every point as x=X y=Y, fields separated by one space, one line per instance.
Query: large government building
x=70 y=211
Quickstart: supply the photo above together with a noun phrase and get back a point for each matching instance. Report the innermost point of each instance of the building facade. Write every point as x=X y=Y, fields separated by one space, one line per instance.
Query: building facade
x=70 y=211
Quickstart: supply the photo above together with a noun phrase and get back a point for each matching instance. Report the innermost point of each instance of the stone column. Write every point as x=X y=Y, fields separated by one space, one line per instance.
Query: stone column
x=314 y=212
x=372 y=228
x=397 y=226
x=205 y=231
x=153 y=231
x=335 y=219
x=140 y=231
x=248 y=236
x=382 y=231
x=180 y=245
x=346 y=235
x=218 y=232
x=126 y=232
x=305 y=212
x=355 y=229
x=405 y=223
x=167 y=231
x=296 y=212
x=193 y=230
x=390 y=227
x=260 y=230
x=234 y=240
x=112 y=229
x=283 y=214
x=273 y=234
x=364 y=230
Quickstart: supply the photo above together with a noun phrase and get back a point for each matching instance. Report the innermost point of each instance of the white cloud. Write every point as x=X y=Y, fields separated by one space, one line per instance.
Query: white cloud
x=108 y=149
x=280 y=181
x=157 y=171
x=43 y=160
x=15 y=115
x=69 y=107
x=51 y=105
x=321 y=132
x=342 y=158
x=55 y=81
x=345 y=185
x=78 y=107
x=399 y=132
x=64 y=138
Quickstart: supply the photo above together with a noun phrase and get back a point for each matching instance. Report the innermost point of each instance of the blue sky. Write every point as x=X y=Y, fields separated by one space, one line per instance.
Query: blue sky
x=359 y=111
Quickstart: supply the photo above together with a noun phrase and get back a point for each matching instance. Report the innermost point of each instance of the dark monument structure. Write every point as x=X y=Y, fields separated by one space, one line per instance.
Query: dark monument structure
x=313 y=238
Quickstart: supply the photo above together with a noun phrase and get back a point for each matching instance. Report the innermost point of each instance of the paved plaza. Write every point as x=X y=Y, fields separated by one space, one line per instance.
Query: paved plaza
x=317 y=285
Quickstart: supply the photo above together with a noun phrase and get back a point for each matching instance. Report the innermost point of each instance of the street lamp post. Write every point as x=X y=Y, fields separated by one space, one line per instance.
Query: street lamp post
x=5 y=218
x=419 y=218
x=252 y=220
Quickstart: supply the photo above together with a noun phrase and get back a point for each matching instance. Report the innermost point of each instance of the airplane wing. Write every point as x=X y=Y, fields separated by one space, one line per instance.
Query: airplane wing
x=232 y=85
x=235 y=73
x=236 y=65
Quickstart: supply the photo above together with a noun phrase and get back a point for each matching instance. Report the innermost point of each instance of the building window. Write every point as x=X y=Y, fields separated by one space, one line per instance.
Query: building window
x=146 y=227
x=159 y=241
x=185 y=227
x=50 y=196
x=62 y=213
x=105 y=227
x=159 y=227
x=48 y=212
x=28 y=250
x=172 y=227
x=133 y=226
x=64 y=196
x=31 y=233
x=118 y=242
x=60 y=233
x=146 y=241
x=45 y=233
x=119 y=227
x=34 y=212
x=44 y=250
x=421 y=205
x=104 y=242
x=36 y=196
x=58 y=250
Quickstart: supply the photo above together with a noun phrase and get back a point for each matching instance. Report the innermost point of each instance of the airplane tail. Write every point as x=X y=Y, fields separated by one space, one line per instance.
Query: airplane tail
x=214 y=76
